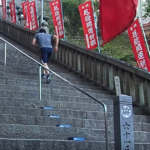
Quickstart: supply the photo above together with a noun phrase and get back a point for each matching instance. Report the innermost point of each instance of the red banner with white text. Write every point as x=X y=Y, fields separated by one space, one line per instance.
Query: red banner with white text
x=26 y=13
x=33 y=16
x=138 y=45
x=86 y=14
x=12 y=11
x=55 y=7
x=4 y=9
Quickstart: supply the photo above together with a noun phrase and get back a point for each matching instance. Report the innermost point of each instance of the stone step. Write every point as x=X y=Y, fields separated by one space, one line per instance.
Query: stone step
x=39 y=144
x=35 y=78
x=50 y=144
x=23 y=95
x=24 y=103
x=68 y=99
x=53 y=132
x=61 y=112
x=74 y=122
x=52 y=93
x=4 y=85
x=59 y=88
x=33 y=69
x=80 y=114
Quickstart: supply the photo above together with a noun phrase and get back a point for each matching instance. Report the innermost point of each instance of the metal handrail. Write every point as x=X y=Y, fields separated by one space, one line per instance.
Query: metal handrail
x=73 y=85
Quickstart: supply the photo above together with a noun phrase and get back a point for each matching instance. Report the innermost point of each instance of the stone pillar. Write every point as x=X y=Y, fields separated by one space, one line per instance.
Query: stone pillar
x=45 y=26
x=17 y=17
x=8 y=13
x=22 y=21
x=123 y=123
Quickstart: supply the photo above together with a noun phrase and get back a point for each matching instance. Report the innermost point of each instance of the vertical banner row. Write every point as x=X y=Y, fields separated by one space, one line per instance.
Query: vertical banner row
x=138 y=45
x=30 y=16
x=12 y=11
x=56 y=11
x=87 y=18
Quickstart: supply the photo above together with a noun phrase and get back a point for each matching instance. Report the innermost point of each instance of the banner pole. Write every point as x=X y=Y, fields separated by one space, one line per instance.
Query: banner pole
x=96 y=27
x=41 y=12
x=15 y=11
x=36 y=5
x=63 y=19
x=144 y=35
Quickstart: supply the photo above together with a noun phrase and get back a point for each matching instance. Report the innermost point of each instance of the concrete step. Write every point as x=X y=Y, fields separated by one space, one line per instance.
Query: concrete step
x=68 y=99
x=50 y=144
x=60 y=112
x=35 y=78
x=51 y=121
x=80 y=114
x=39 y=144
x=48 y=96
x=24 y=103
x=24 y=88
x=74 y=122
x=23 y=95
x=51 y=132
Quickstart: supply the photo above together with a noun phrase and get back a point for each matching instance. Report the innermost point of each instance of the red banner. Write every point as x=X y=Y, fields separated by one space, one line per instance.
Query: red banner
x=55 y=7
x=26 y=13
x=86 y=14
x=114 y=18
x=138 y=45
x=12 y=11
x=4 y=9
x=33 y=16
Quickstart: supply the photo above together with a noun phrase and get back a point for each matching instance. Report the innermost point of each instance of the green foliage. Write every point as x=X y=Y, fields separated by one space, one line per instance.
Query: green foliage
x=120 y=48
x=71 y=14
x=147 y=8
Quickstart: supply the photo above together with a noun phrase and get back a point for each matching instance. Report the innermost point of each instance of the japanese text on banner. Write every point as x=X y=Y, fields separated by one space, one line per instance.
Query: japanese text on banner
x=4 y=9
x=12 y=11
x=86 y=14
x=33 y=16
x=26 y=13
x=138 y=45
x=55 y=7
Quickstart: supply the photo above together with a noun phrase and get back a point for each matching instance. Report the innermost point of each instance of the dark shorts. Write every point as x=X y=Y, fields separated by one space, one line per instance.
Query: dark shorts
x=45 y=54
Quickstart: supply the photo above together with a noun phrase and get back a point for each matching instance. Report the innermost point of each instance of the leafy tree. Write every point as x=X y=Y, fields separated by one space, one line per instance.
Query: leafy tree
x=147 y=8
x=71 y=14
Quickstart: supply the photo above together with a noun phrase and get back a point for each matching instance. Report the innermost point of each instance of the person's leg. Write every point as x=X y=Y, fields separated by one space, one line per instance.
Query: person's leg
x=49 y=76
x=45 y=54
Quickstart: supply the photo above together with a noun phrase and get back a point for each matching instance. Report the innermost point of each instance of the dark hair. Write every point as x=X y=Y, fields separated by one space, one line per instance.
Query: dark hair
x=42 y=30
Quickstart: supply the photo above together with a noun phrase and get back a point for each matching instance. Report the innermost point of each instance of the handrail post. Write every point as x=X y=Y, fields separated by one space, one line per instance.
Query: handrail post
x=106 y=126
x=5 y=56
x=40 y=82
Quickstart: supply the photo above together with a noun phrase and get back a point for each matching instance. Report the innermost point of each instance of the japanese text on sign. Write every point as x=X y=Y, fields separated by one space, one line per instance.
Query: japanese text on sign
x=127 y=141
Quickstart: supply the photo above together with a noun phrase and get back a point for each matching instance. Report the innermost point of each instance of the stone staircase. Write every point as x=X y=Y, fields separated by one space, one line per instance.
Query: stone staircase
x=65 y=119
